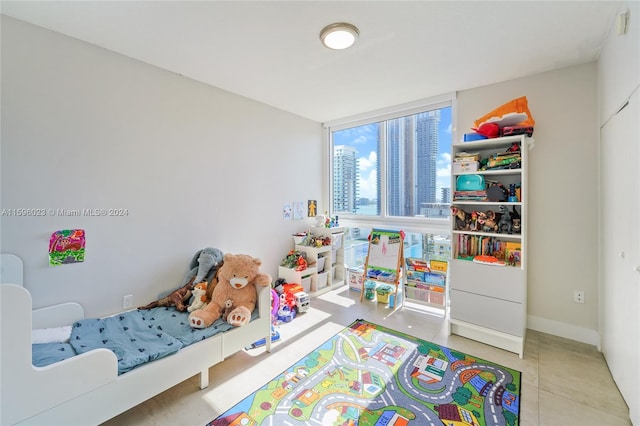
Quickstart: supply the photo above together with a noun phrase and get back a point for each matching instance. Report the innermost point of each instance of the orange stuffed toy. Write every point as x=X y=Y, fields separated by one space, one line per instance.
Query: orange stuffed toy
x=200 y=298
x=237 y=280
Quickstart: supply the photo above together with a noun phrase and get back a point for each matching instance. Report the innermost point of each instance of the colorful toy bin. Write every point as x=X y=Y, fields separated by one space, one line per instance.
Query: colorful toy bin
x=382 y=293
x=369 y=290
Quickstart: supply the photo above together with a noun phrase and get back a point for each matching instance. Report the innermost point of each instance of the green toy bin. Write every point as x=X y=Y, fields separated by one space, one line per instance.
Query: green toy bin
x=369 y=290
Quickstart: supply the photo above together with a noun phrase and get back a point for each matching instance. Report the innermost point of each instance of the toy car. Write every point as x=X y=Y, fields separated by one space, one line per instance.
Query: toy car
x=286 y=314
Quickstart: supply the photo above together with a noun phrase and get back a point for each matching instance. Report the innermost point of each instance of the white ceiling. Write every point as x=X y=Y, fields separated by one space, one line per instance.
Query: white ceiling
x=270 y=51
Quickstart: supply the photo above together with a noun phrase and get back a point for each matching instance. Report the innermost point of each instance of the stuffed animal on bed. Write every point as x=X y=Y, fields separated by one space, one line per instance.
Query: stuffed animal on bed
x=203 y=267
x=179 y=298
x=237 y=280
x=200 y=298
x=228 y=306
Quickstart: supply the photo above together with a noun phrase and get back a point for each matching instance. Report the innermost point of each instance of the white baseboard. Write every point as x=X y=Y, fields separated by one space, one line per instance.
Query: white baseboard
x=562 y=329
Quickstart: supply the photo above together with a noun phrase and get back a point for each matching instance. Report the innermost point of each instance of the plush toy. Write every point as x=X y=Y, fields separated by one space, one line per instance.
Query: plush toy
x=200 y=298
x=203 y=267
x=228 y=306
x=178 y=298
x=237 y=280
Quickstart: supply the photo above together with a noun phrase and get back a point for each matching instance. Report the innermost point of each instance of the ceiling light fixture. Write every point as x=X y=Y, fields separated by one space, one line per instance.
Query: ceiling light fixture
x=339 y=35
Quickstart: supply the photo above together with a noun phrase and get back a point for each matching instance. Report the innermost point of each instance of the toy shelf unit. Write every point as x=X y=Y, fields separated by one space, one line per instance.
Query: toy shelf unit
x=424 y=285
x=325 y=269
x=487 y=273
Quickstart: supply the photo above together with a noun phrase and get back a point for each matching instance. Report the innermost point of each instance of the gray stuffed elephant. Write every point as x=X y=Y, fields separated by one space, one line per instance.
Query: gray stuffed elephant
x=203 y=267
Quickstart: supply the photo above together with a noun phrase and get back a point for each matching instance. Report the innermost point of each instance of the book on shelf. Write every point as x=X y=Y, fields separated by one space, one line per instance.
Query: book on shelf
x=417 y=264
x=513 y=253
x=470 y=195
x=514 y=258
x=438 y=265
x=469 y=246
x=466 y=157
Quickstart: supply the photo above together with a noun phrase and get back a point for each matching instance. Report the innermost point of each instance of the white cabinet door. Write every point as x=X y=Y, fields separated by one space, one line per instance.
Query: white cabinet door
x=620 y=206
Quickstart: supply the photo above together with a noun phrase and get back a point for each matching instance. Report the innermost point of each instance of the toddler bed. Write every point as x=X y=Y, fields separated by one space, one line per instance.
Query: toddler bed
x=76 y=385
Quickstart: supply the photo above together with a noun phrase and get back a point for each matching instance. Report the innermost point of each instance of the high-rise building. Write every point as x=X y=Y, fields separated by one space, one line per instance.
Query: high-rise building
x=345 y=179
x=411 y=163
x=445 y=195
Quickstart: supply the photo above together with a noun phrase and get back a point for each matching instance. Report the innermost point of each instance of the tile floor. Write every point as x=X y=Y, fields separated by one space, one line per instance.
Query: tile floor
x=565 y=383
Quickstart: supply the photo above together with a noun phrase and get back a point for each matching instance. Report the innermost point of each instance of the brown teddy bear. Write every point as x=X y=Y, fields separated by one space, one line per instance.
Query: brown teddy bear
x=237 y=280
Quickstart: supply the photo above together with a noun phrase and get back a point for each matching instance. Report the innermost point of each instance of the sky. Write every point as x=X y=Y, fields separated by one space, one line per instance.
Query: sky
x=363 y=138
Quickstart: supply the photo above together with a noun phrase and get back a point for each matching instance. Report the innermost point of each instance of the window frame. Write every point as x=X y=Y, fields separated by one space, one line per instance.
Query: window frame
x=408 y=224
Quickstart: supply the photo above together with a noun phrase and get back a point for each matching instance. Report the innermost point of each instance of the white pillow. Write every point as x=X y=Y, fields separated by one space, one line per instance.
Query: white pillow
x=51 y=335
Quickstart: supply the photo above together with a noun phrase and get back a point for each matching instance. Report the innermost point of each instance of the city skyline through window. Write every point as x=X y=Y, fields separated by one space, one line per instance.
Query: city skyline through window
x=408 y=157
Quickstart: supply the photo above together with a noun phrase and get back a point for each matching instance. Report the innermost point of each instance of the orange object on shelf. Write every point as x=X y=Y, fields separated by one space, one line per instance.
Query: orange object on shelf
x=518 y=105
x=488 y=260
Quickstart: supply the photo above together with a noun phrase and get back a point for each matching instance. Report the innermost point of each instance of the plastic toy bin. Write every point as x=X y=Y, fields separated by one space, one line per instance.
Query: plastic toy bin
x=336 y=241
x=355 y=279
x=306 y=284
x=322 y=279
x=369 y=290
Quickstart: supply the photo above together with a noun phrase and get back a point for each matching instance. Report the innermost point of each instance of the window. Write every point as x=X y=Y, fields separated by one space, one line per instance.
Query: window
x=418 y=245
x=393 y=165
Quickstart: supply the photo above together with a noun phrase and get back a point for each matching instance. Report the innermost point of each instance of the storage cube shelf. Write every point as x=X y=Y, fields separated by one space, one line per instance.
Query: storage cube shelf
x=319 y=277
x=293 y=276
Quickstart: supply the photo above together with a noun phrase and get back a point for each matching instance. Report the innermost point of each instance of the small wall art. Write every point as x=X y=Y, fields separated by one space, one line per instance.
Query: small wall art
x=66 y=246
x=298 y=210
x=287 y=212
x=312 y=208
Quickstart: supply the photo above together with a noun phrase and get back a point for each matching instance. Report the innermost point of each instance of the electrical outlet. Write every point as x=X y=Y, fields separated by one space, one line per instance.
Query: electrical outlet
x=127 y=301
x=578 y=296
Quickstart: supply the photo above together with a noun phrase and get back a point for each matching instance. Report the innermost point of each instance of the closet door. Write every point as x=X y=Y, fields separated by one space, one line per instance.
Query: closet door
x=620 y=236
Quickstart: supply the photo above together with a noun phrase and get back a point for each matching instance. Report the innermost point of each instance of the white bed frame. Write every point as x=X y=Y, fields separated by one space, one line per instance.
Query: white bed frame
x=86 y=388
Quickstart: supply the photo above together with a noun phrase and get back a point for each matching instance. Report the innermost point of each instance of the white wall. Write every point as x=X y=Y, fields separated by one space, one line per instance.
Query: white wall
x=619 y=84
x=195 y=166
x=619 y=64
x=562 y=193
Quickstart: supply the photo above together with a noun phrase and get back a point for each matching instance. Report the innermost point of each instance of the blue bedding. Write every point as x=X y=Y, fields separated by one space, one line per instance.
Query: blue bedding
x=129 y=335
x=48 y=353
x=136 y=337
x=176 y=324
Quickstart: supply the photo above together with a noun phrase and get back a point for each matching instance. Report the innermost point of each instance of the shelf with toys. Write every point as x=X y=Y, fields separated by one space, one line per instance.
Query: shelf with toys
x=488 y=278
x=323 y=253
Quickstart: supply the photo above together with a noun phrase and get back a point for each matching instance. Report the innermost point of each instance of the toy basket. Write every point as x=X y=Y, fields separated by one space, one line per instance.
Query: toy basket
x=383 y=291
x=369 y=290
x=322 y=279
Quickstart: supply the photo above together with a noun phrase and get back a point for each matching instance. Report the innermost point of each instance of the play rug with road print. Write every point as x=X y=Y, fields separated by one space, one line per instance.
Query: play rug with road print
x=371 y=375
